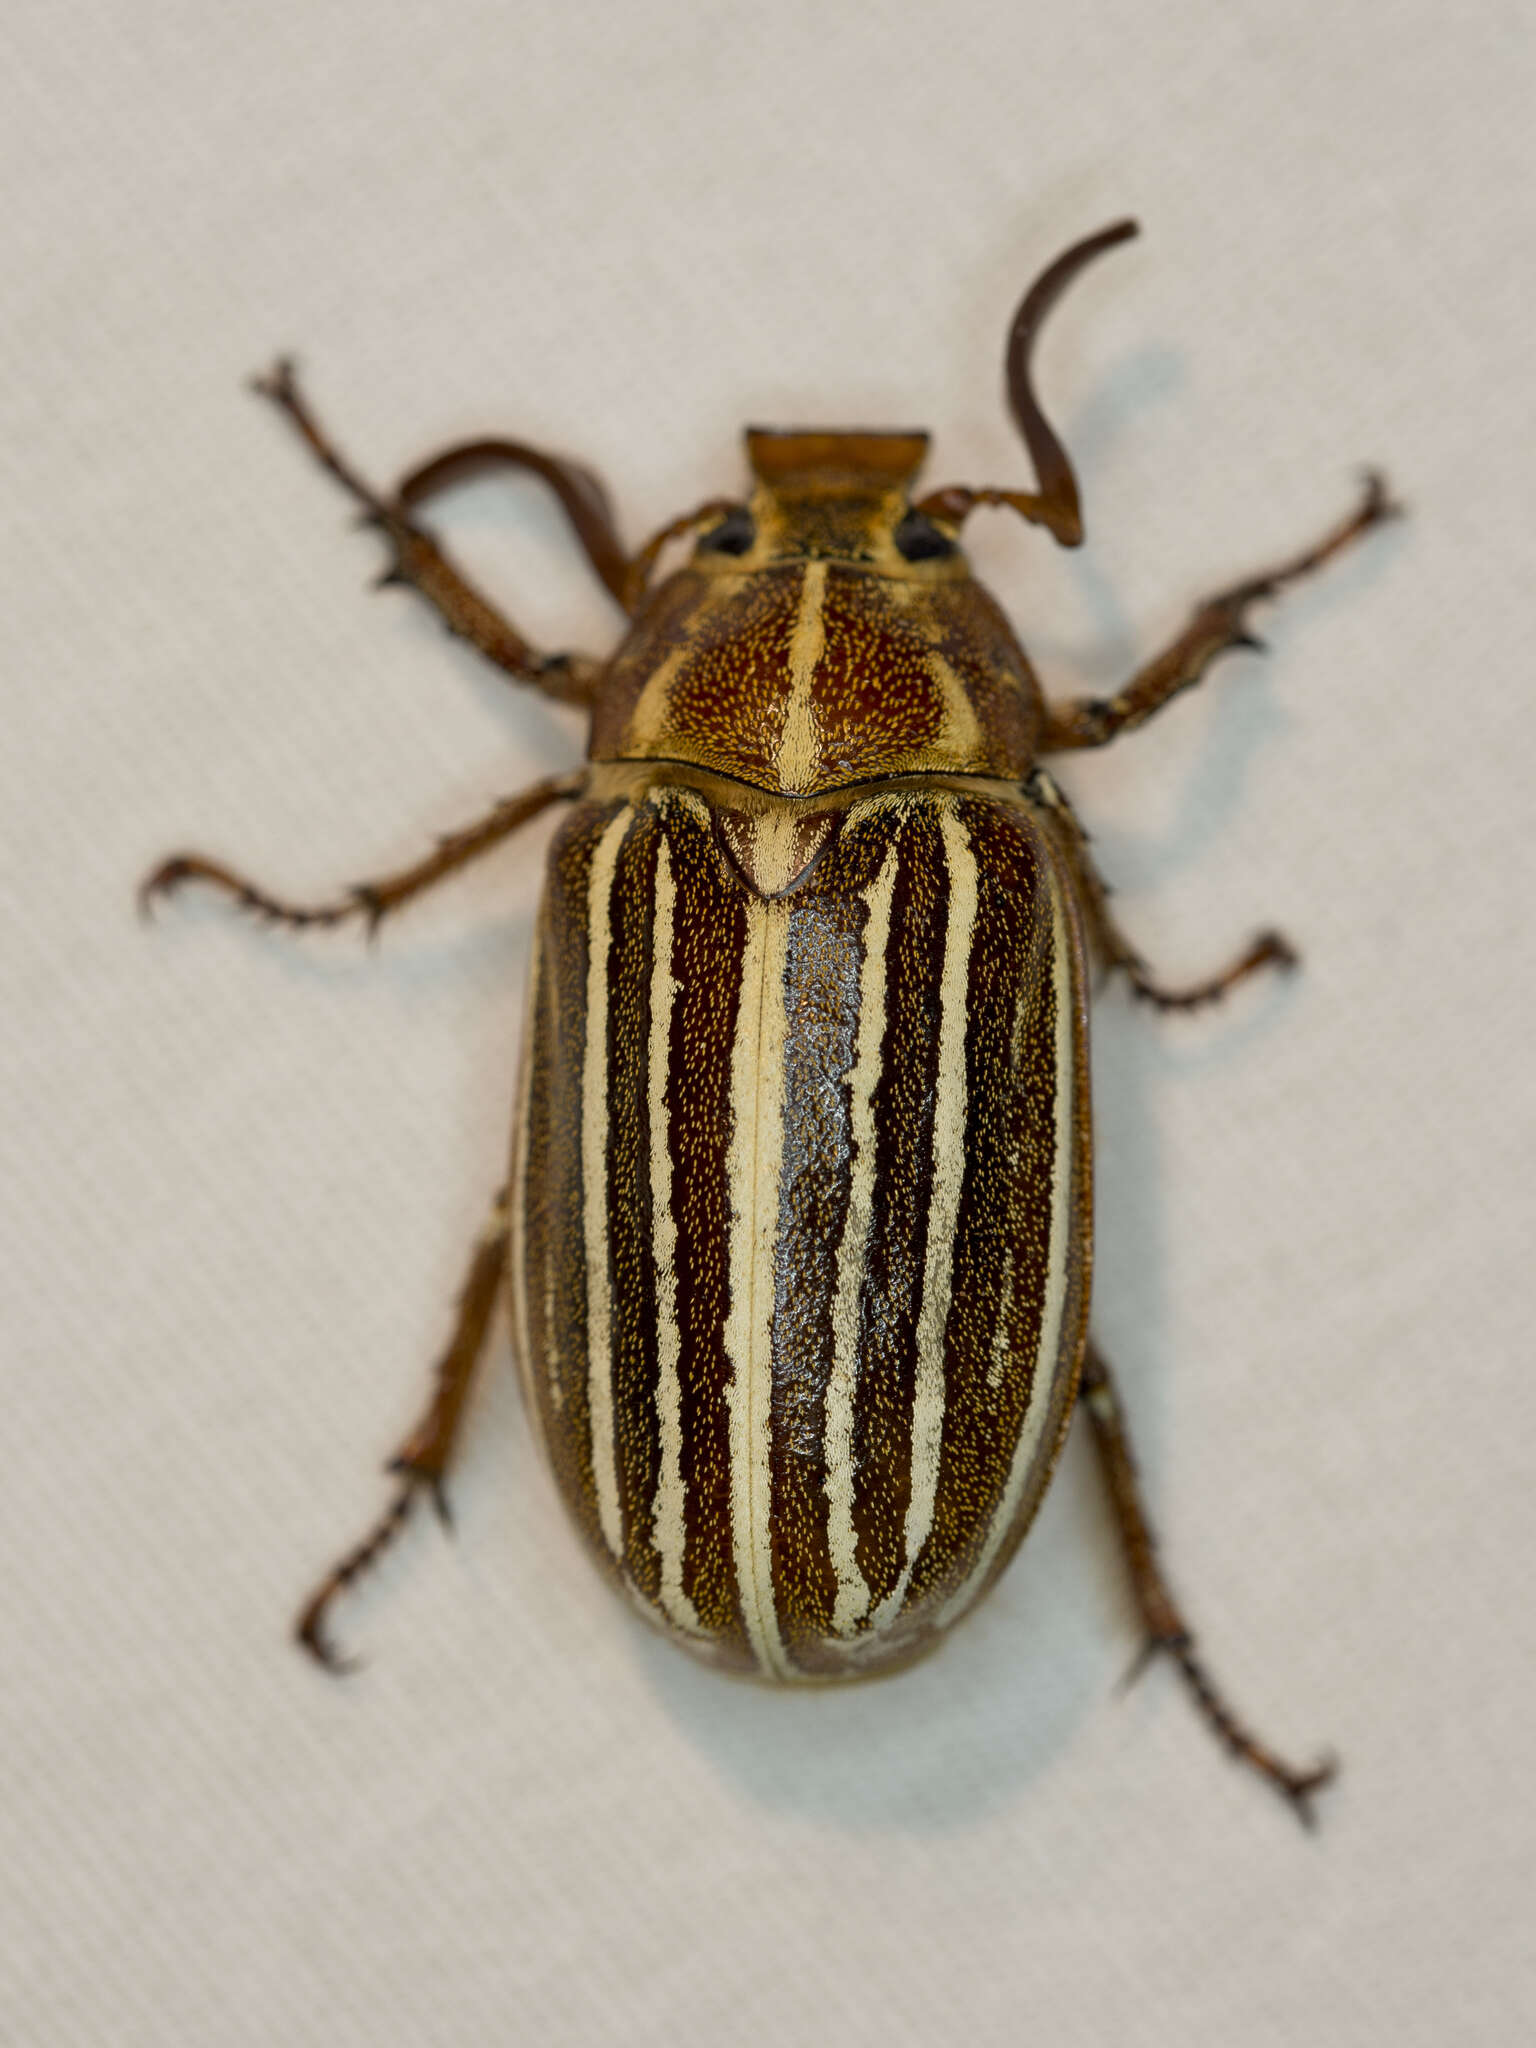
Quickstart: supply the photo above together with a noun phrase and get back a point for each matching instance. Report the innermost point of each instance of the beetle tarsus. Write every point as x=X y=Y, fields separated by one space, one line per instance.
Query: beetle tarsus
x=163 y=881
x=1296 y=1787
x=279 y=384
x=309 y=1632
x=181 y=868
x=309 y=1629
x=1166 y=1632
x=421 y=1464
x=1269 y=949
x=280 y=387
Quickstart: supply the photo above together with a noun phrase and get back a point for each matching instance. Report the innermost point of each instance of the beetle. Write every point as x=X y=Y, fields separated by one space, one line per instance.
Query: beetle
x=798 y=1228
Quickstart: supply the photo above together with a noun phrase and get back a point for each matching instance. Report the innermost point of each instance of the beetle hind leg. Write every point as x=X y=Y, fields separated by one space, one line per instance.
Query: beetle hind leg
x=1167 y=1632
x=422 y=1461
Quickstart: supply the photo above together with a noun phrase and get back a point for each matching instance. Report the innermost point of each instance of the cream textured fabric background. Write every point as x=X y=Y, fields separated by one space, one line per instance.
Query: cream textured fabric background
x=243 y=1171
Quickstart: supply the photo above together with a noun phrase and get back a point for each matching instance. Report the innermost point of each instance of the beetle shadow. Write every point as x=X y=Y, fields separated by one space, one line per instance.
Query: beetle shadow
x=928 y=1750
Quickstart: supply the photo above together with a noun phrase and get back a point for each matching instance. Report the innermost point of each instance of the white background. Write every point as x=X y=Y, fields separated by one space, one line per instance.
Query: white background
x=243 y=1172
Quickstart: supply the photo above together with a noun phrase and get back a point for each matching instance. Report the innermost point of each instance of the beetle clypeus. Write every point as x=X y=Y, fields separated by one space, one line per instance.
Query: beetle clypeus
x=798 y=1227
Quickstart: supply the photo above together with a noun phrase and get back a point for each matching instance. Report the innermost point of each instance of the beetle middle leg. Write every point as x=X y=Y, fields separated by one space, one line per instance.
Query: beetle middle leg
x=371 y=901
x=1218 y=624
x=1119 y=956
x=1167 y=1632
x=1266 y=949
x=422 y=1460
x=1112 y=950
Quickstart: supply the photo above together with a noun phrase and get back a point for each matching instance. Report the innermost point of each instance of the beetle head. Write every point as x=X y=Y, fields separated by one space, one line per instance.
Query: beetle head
x=846 y=496
x=821 y=495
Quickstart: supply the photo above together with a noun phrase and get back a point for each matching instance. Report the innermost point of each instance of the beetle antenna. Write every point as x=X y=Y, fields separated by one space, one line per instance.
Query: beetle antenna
x=1060 y=506
x=1056 y=505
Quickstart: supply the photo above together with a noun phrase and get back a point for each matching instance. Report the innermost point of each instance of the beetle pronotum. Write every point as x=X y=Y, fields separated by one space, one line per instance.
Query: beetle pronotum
x=798 y=1227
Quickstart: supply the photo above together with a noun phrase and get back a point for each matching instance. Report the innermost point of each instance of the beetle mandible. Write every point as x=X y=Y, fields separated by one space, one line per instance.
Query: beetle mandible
x=798 y=1227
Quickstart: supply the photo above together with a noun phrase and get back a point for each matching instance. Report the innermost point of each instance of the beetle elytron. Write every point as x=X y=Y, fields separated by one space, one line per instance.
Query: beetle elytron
x=798 y=1226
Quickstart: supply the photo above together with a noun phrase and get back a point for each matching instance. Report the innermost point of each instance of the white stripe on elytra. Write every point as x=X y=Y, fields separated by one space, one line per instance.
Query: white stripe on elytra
x=753 y=1163
x=1025 y=1002
x=1002 y=1336
x=594 y=1184
x=668 y=1529
x=946 y=1179
x=852 y=1602
x=1047 y=1360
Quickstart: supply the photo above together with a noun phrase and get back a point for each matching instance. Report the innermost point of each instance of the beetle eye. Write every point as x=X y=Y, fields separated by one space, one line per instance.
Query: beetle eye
x=733 y=536
x=919 y=540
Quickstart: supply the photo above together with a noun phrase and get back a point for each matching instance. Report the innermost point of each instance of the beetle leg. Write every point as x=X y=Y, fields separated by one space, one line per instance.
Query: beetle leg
x=372 y=901
x=1168 y=1633
x=1218 y=624
x=422 y=1460
x=1119 y=956
x=417 y=561
x=1111 y=949
x=1269 y=949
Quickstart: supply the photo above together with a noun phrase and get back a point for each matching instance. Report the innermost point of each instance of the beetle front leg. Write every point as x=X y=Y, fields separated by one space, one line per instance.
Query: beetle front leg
x=419 y=563
x=372 y=901
x=422 y=1460
x=1168 y=1633
x=1218 y=624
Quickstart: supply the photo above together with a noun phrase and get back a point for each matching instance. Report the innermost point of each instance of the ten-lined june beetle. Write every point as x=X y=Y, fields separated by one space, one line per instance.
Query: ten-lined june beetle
x=799 y=1220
